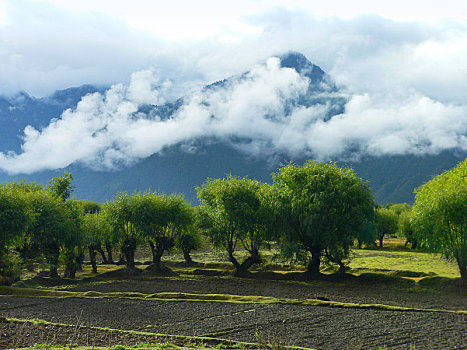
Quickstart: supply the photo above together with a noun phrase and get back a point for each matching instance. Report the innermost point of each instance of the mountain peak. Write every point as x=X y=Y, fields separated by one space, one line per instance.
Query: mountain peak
x=302 y=65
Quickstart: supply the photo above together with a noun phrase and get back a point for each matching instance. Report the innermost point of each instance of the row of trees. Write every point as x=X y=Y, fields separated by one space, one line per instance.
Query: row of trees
x=315 y=212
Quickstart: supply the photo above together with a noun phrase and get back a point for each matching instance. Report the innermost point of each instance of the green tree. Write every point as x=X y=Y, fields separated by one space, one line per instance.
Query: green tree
x=190 y=238
x=27 y=246
x=96 y=230
x=234 y=210
x=120 y=214
x=74 y=240
x=61 y=187
x=322 y=209
x=439 y=215
x=15 y=216
x=387 y=221
x=160 y=219
x=50 y=227
x=405 y=229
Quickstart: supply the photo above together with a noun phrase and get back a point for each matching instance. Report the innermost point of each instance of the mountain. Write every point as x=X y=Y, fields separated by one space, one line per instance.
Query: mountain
x=20 y=110
x=180 y=168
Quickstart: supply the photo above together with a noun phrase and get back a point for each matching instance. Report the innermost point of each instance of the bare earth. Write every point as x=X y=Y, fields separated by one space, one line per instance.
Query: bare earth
x=318 y=327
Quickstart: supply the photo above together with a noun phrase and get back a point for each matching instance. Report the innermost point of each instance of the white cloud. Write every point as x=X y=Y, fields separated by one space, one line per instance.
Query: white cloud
x=106 y=131
x=407 y=82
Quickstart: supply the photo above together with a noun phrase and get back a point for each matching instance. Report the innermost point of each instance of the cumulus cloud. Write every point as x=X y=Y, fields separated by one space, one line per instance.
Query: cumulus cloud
x=257 y=113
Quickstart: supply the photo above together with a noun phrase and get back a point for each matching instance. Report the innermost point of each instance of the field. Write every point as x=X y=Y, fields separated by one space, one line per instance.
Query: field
x=390 y=299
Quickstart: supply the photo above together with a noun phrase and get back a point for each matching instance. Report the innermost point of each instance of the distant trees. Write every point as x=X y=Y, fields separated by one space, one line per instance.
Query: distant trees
x=322 y=209
x=440 y=215
x=387 y=223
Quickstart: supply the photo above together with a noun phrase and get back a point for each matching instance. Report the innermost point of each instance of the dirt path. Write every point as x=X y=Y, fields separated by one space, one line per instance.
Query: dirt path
x=318 y=327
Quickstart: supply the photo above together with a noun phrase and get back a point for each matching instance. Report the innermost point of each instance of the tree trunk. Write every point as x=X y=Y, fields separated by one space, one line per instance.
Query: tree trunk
x=315 y=262
x=462 y=264
x=381 y=241
x=92 y=257
x=53 y=253
x=110 y=259
x=101 y=252
x=254 y=258
x=70 y=269
x=157 y=252
x=128 y=250
x=187 y=256
x=79 y=261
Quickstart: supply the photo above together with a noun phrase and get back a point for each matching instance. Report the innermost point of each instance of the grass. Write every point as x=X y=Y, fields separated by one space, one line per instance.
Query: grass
x=413 y=264
x=221 y=298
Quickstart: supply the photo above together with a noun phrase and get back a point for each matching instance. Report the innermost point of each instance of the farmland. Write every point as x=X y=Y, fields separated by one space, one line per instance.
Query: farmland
x=376 y=304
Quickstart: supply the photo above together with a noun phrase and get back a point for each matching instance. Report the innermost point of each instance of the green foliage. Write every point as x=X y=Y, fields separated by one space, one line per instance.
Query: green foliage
x=322 y=209
x=61 y=187
x=15 y=215
x=234 y=210
x=120 y=214
x=53 y=226
x=160 y=219
x=440 y=215
x=387 y=221
x=190 y=238
x=90 y=206
x=10 y=267
x=405 y=228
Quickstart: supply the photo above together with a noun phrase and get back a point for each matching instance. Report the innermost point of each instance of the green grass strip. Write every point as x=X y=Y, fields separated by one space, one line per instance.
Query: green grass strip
x=223 y=298
x=186 y=338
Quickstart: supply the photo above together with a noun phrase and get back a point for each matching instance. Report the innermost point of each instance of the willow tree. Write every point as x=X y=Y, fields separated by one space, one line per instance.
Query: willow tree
x=160 y=219
x=120 y=215
x=439 y=215
x=322 y=208
x=15 y=216
x=233 y=211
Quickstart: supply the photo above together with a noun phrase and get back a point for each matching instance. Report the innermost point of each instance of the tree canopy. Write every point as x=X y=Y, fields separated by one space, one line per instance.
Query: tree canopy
x=323 y=208
x=439 y=215
x=233 y=210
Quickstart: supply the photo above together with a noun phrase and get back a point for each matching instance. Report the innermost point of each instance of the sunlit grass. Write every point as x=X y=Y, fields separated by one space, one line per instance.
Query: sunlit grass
x=402 y=262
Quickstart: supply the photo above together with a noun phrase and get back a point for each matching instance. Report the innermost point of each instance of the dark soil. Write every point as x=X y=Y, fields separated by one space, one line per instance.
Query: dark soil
x=348 y=291
x=318 y=327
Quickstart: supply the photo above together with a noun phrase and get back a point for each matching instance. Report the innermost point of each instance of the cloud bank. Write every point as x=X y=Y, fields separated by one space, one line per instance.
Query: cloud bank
x=405 y=85
x=253 y=113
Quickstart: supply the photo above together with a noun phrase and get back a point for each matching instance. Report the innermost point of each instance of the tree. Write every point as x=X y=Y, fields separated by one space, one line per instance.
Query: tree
x=120 y=214
x=61 y=187
x=321 y=208
x=27 y=246
x=232 y=210
x=50 y=227
x=387 y=222
x=160 y=219
x=439 y=215
x=74 y=240
x=189 y=239
x=96 y=230
x=405 y=229
x=15 y=216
